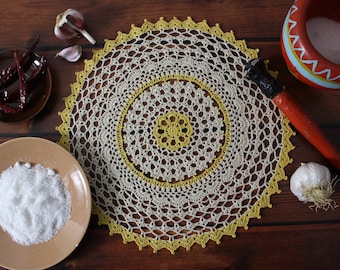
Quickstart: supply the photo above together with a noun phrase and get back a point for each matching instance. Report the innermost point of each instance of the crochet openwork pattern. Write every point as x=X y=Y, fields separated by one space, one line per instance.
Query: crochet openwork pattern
x=178 y=146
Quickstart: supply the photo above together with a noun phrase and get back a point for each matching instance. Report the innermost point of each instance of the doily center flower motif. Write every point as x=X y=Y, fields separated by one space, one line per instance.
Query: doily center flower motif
x=172 y=130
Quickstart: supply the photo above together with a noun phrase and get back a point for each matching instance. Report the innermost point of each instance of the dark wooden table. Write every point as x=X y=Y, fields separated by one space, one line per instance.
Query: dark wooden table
x=289 y=235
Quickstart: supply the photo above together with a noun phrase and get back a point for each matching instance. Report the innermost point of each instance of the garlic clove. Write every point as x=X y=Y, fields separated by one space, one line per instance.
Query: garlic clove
x=70 y=54
x=70 y=24
x=61 y=29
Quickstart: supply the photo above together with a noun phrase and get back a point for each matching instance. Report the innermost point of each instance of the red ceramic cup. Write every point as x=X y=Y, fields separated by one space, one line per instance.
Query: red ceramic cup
x=303 y=60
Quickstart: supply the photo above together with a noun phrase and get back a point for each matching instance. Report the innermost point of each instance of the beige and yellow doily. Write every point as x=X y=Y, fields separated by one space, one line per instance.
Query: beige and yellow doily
x=178 y=146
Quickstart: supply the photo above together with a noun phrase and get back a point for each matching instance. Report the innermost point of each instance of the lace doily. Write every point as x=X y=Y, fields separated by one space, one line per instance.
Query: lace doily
x=178 y=146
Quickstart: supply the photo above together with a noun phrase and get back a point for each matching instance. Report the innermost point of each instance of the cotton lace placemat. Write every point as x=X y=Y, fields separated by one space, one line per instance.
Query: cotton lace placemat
x=178 y=146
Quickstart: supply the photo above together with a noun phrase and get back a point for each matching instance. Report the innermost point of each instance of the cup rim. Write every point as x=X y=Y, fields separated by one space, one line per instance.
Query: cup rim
x=302 y=16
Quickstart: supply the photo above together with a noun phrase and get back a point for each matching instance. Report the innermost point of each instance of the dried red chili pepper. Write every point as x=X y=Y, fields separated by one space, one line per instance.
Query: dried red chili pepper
x=23 y=89
x=13 y=95
x=7 y=75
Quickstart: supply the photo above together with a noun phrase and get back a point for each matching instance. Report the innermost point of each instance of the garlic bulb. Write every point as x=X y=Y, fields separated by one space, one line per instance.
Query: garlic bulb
x=312 y=182
x=70 y=24
x=71 y=54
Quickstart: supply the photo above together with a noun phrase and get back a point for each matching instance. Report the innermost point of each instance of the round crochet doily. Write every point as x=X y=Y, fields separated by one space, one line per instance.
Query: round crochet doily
x=178 y=146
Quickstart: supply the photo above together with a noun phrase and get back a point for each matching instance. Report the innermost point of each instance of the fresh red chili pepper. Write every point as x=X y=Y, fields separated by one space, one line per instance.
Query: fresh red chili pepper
x=7 y=75
x=257 y=72
x=23 y=89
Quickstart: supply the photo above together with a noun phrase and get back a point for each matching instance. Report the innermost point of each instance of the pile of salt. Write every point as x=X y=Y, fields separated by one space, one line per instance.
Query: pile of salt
x=324 y=34
x=34 y=203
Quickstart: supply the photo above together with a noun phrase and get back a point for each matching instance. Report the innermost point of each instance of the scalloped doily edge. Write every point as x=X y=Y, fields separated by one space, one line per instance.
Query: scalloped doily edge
x=202 y=239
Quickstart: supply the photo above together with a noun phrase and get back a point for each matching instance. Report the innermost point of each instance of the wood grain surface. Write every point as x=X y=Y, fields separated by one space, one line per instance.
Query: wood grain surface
x=289 y=235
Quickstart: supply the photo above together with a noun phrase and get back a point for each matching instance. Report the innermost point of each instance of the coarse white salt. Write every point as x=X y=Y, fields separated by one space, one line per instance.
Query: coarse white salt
x=324 y=34
x=34 y=203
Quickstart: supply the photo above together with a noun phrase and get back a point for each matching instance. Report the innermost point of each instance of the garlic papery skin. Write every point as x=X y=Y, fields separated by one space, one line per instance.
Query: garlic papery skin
x=312 y=183
x=70 y=54
x=70 y=24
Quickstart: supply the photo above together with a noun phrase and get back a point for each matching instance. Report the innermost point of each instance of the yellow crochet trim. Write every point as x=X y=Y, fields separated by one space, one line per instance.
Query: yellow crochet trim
x=202 y=239
x=216 y=235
